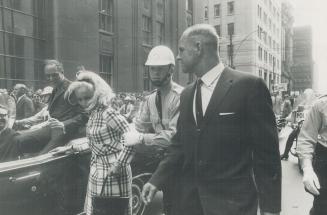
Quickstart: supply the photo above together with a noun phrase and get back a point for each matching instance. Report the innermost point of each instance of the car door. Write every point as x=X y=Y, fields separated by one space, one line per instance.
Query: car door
x=44 y=185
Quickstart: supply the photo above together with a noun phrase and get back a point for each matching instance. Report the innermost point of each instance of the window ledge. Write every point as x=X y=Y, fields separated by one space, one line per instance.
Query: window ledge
x=106 y=32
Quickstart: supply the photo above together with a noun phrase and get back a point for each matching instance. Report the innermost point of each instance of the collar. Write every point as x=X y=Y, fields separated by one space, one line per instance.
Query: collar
x=19 y=98
x=212 y=75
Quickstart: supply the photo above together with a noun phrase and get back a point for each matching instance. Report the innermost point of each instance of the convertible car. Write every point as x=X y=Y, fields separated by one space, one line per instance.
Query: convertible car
x=55 y=184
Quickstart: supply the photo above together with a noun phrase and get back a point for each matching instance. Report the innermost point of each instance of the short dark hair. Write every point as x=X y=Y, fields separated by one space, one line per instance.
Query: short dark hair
x=207 y=33
x=55 y=63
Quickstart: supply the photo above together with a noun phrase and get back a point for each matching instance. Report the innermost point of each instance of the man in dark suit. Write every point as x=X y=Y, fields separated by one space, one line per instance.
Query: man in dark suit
x=65 y=119
x=7 y=135
x=225 y=150
x=24 y=105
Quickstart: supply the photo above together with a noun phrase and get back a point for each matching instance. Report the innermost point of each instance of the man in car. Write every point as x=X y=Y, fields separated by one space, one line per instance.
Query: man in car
x=7 y=135
x=64 y=121
x=156 y=123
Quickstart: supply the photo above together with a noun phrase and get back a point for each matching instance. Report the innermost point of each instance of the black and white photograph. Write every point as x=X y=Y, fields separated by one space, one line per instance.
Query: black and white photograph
x=163 y=107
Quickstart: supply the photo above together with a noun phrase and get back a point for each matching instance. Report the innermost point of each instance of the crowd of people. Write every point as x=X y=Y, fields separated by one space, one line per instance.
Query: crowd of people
x=219 y=133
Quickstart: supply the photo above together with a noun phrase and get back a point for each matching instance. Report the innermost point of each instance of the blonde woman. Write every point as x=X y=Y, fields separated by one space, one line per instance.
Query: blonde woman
x=104 y=131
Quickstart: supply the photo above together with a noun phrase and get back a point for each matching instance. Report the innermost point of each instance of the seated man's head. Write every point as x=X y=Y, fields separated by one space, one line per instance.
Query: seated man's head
x=19 y=90
x=54 y=72
x=4 y=111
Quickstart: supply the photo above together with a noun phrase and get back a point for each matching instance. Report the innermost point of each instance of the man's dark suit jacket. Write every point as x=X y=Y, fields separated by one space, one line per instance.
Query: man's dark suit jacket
x=233 y=159
x=7 y=138
x=24 y=108
x=41 y=140
x=62 y=110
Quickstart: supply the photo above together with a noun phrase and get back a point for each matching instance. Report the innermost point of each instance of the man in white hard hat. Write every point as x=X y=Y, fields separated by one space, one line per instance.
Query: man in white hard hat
x=157 y=119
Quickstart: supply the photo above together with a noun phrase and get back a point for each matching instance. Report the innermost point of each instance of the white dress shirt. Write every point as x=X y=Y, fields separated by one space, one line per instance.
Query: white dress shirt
x=209 y=80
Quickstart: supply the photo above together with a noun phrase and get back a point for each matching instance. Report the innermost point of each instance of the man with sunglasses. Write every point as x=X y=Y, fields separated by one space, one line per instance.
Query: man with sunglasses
x=65 y=119
x=156 y=123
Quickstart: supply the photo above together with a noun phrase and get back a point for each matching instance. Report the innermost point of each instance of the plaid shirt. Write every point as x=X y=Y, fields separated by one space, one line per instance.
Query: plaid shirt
x=104 y=131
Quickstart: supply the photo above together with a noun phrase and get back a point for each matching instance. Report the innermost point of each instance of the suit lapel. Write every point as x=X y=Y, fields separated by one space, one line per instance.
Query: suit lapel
x=223 y=85
x=58 y=92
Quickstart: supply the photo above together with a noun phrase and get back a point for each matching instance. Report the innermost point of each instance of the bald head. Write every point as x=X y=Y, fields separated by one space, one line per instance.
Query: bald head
x=198 y=49
x=19 y=90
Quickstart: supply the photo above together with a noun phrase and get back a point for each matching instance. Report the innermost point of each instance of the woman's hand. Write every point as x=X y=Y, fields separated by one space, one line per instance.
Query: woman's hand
x=114 y=169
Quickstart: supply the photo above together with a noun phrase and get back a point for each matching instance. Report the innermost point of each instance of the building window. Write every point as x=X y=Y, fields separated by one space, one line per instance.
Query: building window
x=160 y=33
x=260 y=73
x=147 y=4
x=21 y=42
x=217 y=10
x=217 y=27
x=106 y=68
x=260 y=53
x=146 y=28
x=230 y=53
x=259 y=12
x=106 y=15
x=230 y=8
x=206 y=12
x=189 y=5
x=230 y=28
x=161 y=8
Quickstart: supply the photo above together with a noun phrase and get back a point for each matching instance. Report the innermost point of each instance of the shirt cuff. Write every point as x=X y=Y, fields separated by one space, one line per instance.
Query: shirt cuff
x=148 y=139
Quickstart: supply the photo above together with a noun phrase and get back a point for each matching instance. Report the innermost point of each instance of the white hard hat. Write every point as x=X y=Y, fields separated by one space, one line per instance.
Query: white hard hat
x=47 y=90
x=160 y=56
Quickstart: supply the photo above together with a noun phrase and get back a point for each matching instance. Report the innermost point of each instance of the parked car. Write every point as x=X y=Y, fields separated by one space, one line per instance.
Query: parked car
x=56 y=184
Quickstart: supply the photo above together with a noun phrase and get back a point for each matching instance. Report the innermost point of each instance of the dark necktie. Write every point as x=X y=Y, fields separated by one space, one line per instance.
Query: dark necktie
x=198 y=103
x=159 y=104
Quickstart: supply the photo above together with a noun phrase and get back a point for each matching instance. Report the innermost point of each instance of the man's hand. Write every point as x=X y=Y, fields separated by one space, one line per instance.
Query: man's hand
x=61 y=150
x=133 y=138
x=311 y=181
x=148 y=192
x=54 y=123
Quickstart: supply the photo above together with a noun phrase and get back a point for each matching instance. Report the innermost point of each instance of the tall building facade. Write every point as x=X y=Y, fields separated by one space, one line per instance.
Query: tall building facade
x=302 y=70
x=287 y=45
x=250 y=35
x=111 y=37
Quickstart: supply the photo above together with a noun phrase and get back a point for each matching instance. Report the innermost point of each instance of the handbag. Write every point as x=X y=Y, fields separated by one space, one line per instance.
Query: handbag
x=113 y=205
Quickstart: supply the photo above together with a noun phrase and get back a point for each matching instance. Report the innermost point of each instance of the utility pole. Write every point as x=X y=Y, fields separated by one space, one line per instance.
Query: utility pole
x=231 y=50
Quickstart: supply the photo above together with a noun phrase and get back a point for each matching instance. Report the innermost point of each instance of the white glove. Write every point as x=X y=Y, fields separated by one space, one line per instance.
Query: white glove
x=311 y=181
x=133 y=138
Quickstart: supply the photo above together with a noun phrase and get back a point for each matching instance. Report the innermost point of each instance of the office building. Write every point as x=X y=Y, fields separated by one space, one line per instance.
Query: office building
x=250 y=33
x=302 y=70
x=111 y=37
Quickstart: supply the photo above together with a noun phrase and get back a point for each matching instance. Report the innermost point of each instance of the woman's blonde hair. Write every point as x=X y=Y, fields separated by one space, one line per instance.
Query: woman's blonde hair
x=103 y=94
